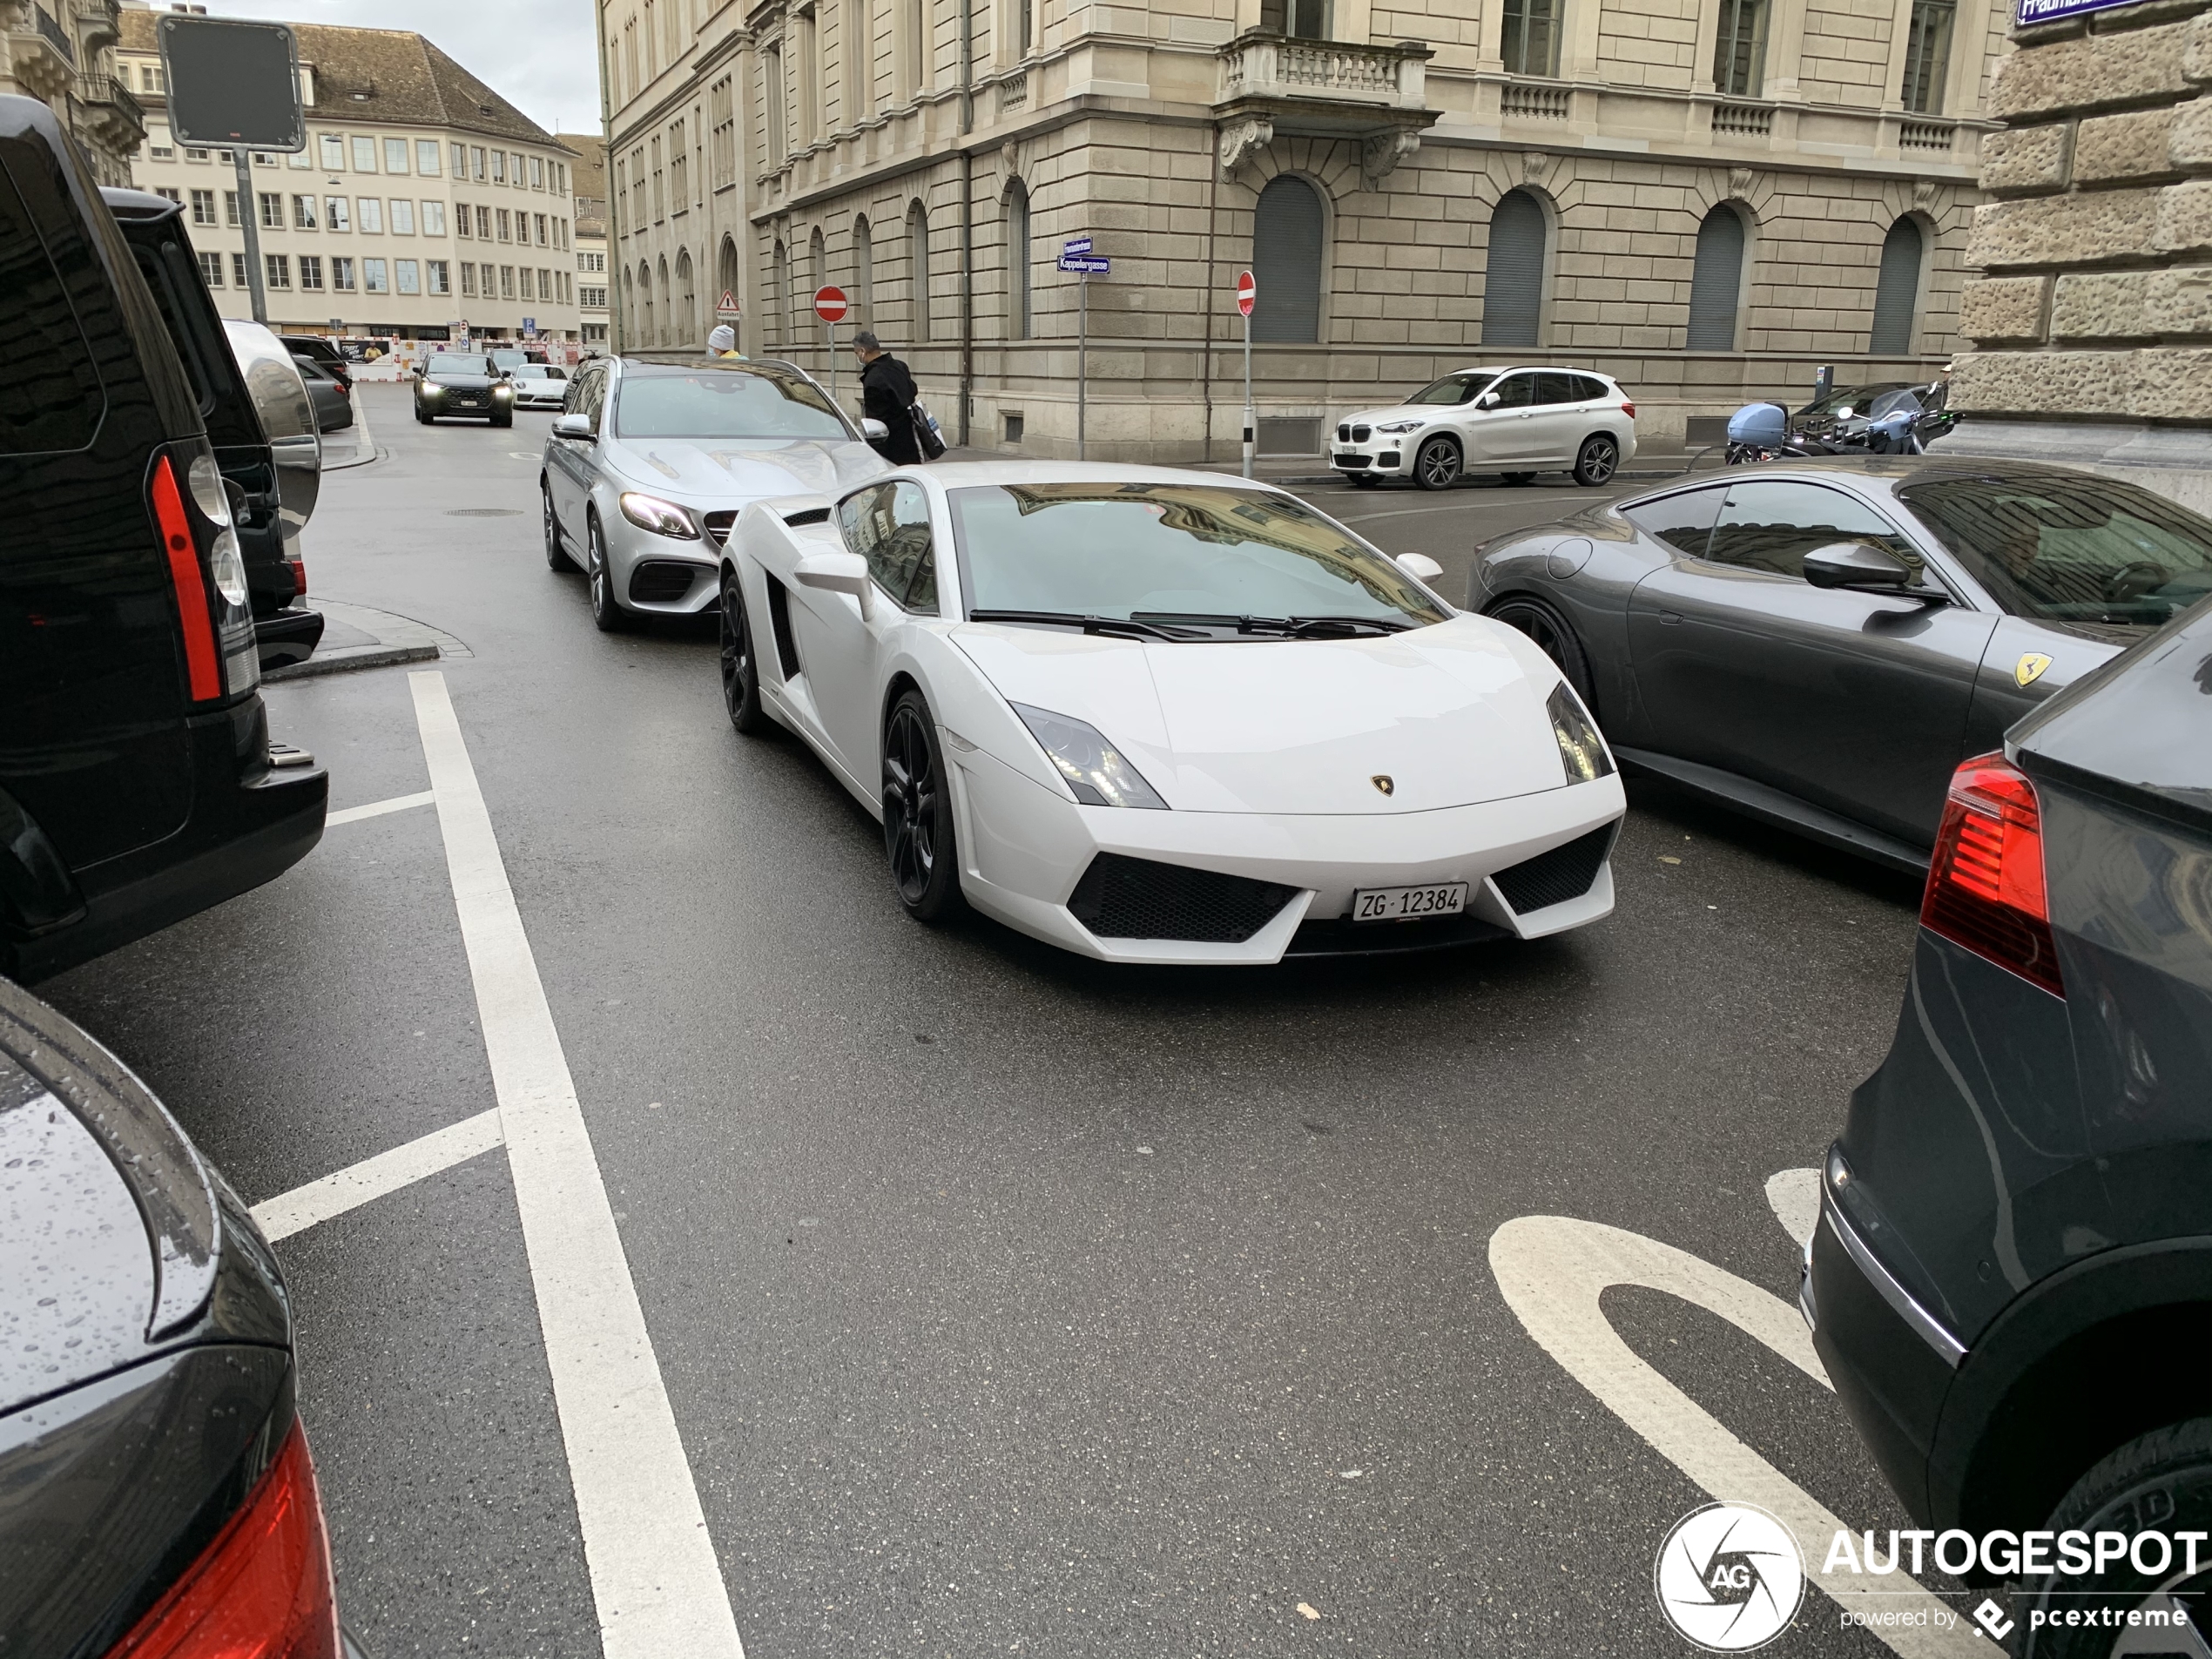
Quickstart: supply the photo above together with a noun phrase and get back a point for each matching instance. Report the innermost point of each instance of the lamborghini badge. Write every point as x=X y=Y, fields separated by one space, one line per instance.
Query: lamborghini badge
x=1382 y=781
x=2030 y=668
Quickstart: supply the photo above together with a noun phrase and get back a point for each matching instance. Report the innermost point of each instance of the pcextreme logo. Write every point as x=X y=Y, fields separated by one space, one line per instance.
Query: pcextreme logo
x=1729 y=1577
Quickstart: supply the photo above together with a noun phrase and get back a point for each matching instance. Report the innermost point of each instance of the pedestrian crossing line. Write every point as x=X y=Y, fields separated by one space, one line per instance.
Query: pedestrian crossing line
x=372 y=1178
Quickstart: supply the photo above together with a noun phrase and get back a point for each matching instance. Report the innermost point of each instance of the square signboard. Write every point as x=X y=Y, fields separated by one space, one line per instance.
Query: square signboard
x=231 y=85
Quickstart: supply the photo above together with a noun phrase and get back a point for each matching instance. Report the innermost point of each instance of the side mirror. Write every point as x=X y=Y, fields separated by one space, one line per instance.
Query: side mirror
x=573 y=426
x=1419 y=566
x=1861 y=566
x=1487 y=401
x=835 y=572
x=875 y=431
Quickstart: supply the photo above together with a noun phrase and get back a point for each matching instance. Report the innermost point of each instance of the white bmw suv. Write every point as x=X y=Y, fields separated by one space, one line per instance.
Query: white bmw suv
x=1513 y=421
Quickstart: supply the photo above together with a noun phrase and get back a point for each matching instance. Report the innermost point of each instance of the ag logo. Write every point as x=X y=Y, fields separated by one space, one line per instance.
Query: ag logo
x=2030 y=668
x=1729 y=1577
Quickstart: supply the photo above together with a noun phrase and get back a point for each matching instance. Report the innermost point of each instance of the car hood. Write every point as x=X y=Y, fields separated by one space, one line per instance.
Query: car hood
x=711 y=470
x=1452 y=714
x=461 y=382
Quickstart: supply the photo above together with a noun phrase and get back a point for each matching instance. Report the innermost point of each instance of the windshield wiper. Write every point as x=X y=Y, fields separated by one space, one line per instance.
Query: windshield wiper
x=1288 y=627
x=1114 y=625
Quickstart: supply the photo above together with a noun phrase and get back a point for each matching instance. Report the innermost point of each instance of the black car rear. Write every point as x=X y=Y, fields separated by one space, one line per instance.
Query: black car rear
x=155 y=1493
x=135 y=782
x=2010 y=1283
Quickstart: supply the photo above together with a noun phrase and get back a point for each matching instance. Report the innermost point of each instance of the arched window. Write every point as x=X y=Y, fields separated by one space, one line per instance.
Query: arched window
x=726 y=272
x=1017 y=261
x=646 y=319
x=1716 y=282
x=1512 y=280
x=1897 y=291
x=863 y=273
x=667 y=310
x=1286 y=260
x=778 y=293
x=687 y=300
x=917 y=267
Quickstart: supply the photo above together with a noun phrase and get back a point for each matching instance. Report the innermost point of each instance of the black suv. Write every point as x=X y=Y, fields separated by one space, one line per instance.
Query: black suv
x=2011 y=1281
x=136 y=785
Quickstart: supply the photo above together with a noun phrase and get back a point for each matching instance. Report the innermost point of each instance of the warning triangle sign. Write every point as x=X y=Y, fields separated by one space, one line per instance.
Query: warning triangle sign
x=727 y=306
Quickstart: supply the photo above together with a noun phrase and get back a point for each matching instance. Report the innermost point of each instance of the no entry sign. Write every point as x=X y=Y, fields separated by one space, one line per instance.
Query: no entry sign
x=830 y=304
x=1247 y=291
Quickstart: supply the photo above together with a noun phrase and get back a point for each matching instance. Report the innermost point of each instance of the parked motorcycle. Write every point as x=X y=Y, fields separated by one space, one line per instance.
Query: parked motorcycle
x=1903 y=422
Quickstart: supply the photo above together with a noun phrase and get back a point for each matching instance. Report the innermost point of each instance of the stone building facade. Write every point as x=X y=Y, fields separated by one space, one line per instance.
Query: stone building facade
x=62 y=52
x=1706 y=199
x=422 y=199
x=588 y=176
x=2092 y=322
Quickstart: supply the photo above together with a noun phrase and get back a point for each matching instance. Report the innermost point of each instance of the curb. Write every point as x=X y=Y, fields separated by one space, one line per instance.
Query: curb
x=366 y=443
x=349 y=658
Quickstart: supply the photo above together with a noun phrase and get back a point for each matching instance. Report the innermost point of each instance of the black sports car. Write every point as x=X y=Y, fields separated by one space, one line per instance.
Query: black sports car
x=463 y=383
x=156 y=1495
x=1819 y=643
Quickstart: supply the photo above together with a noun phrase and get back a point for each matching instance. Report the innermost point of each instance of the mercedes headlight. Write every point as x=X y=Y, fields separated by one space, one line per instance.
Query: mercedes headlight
x=662 y=517
x=1093 y=768
x=1396 y=427
x=1580 y=750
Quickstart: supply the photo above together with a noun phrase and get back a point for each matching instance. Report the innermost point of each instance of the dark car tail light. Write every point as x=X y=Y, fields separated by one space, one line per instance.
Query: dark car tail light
x=202 y=665
x=1985 y=889
x=299 y=577
x=262 y=1590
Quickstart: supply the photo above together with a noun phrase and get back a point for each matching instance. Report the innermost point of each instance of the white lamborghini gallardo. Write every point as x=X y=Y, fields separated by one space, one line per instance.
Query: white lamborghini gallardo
x=1166 y=717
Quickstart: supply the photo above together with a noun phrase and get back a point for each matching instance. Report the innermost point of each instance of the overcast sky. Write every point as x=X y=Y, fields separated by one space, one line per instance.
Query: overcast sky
x=537 y=54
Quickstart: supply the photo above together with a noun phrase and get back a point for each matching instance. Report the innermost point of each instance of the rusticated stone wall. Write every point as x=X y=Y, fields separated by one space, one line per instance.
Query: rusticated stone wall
x=2092 y=322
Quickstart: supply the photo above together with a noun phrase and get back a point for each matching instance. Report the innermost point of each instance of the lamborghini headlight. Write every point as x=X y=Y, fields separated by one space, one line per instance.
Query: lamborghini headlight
x=1580 y=750
x=1093 y=768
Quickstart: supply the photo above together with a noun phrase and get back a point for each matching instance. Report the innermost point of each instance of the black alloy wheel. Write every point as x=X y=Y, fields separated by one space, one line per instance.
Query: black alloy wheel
x=740 y=669
x=918 y=814
x=606 y=610
x=1599 y=460
x=505 y=420
x=557 y=556
x=1554 y=636
x=1437 y=464
x=1518 y=480
x=424 y=416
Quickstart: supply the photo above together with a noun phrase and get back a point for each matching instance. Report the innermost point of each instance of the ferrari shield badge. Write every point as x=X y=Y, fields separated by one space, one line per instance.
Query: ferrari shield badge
x=1383 y=781
x=2030 y=668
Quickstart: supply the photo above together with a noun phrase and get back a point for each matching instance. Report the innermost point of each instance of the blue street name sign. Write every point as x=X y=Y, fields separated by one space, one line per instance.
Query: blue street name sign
x=1076 y=245
x=1088 y=265
x=2032 y=11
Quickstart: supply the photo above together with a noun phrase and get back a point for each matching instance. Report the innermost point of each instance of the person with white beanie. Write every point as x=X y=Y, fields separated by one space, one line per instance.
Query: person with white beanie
x=722 y=342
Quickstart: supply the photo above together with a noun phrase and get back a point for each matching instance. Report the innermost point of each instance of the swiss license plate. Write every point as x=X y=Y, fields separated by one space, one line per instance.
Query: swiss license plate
x=1409 y=904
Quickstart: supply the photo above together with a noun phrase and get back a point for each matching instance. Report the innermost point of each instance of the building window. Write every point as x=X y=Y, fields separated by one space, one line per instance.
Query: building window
x=210 y=269
x=410 y=272
x=333 y=153
x=372 y=213
x=1017 y=261
x=230 y=209
x=1897 y=290
x=680 y=167
x=1927 y=55
x=461 y=161
x=364 y=155
x=772 y=99
x=403 y=218
x=1716 y=281
x=537 y=172
x=203 y=207
x=528 y=292
x=373 y=279
x=560 y=235
x=1025 y=27
x=439 y=275
x=1529 y=39
x=483 y=224
x=341 y=275
x=425 y=157
x=334 y=213
x=918 y=267
x=469 y=279
x=1512 y=280
x=195 y=155
x=477 y=163
x=272 y=210
x=864 y=269
x=592 y=299
x=506 y=225
x=395 y=155
x=1739 y=49
x=721 y=101
x=540 y=219
x=499 y=166
x=310 y=271
x=150 y=77
x=1286 y=260
x=915 y=56
x=301 y=160
x=1300 y=19
x=239 y=279
x=463 y=222
x=303 y=213
x=516 y=157
x=433 y=219
x=507 y=282
x=158 y=144
x=169 y=195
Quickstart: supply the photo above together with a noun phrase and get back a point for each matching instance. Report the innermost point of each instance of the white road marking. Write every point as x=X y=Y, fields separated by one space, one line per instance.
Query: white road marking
x=377 y=808
x=1552 y=1271
x=654 y=1577
x=350 y=1188
x=1794 y=1195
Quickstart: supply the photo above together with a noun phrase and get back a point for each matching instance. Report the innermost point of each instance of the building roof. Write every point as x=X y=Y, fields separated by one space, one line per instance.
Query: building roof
x=588 y=175
x=384 y=75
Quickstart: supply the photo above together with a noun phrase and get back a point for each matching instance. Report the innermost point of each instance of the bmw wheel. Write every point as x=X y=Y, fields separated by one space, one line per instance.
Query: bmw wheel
x=1437 y=464
x=557 y=556
x=918 y=814
x=1554 y=636
x=740 y=672
x=606 y=609
x=1599 y=460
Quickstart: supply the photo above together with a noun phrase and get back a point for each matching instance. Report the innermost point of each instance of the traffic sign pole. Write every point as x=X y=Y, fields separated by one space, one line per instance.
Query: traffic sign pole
x=830 y=305
x=1082 y=353
x=1247 y=296
x=249 y=215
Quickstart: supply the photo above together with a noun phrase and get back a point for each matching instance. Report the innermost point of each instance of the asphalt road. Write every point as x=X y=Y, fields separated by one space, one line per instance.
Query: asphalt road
x=1005 y=1303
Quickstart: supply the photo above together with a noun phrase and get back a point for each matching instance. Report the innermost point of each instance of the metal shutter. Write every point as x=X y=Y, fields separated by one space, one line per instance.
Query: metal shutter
x=1714 y=282
x=1896 y=293
x=1287 y=261
x=1512 y=286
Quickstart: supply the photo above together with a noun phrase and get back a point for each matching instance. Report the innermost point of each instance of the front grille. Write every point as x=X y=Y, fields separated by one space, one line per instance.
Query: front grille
x=1361 y=434
x=1552 y=878
x=1350 y=462
x=718 y=525
x=1344 y=433
x=1126 y=898
x=659 y=582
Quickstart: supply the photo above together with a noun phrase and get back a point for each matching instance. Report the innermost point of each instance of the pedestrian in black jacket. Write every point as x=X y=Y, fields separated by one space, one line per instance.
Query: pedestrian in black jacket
x=887 y=395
